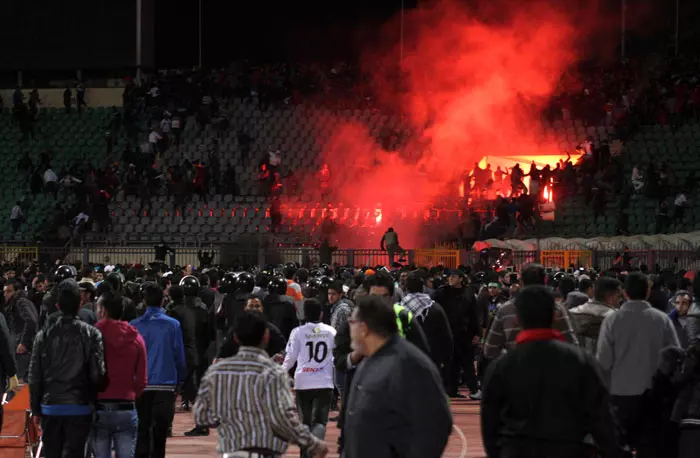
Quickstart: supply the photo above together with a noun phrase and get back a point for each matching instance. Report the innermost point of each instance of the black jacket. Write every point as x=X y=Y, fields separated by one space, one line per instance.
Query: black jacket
x=232 y=307
x=281 y=313
x=8 y=367
x=24 y=321
x=36 y=297
x=204 y=331
x=229 y=347
x=67 y=365
x=461 y=310
x=435 y=325
x=185 y=316
x=48 y=305
x=438 y=335
x=686 y=381
x=207 y=295
x=130 y=311
x=542 y=399
x=387 y=417
x=342 y=349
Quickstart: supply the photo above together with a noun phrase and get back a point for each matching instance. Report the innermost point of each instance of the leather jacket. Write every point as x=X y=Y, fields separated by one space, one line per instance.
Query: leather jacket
x=67 y=365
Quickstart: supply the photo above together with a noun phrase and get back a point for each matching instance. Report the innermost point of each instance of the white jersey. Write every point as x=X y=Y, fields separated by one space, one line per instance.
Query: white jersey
x=311 y=347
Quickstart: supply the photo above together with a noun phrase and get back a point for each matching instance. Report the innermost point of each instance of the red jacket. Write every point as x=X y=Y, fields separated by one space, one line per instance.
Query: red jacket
x=125 y=358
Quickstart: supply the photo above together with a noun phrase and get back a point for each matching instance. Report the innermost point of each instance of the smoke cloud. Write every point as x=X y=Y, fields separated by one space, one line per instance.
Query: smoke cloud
x=474 y=83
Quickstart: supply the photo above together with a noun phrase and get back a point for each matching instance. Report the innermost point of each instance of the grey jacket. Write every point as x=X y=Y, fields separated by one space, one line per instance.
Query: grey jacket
x=587 y=320
x=630 y=344
x=575 y=298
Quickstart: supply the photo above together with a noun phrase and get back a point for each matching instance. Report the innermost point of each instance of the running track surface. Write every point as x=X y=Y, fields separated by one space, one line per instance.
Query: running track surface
x=465 y=440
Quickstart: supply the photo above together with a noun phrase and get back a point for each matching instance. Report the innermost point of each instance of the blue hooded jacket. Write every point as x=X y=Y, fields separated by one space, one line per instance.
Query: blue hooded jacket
x=164 y=349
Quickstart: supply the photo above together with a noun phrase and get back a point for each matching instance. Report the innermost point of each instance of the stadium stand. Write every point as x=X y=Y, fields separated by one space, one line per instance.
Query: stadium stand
x=241 y=130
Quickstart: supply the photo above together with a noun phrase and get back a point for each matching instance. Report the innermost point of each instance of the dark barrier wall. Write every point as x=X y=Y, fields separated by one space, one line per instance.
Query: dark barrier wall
x=58 y=34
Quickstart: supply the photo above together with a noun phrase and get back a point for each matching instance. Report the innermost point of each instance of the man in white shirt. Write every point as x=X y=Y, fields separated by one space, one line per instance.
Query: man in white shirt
x=310 y=346
x=629 y=345
x=50 y=181
x=680 y=204
x=153 y=138
x=16 y=217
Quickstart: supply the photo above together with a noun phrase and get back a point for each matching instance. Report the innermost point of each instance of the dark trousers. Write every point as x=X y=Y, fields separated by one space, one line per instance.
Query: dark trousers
x=462 y=362
x=23 y=365
x=689 y=443
x=191 y=385
x=313 y=406
x=631 y=414
x=155 y=409
x=65 y=436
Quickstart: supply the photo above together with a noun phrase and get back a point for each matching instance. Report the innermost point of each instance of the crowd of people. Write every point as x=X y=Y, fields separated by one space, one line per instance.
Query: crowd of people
x=110 y=352
x=157 y=109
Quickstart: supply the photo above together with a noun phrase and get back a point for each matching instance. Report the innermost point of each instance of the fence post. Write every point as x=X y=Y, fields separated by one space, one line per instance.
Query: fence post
x=171 y=256
x=261 y=256
x=350 y=257
x=411 y=256
x=86 y=255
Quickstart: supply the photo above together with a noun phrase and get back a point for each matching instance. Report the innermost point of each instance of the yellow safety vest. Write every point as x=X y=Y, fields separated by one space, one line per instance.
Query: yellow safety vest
x=399 y=322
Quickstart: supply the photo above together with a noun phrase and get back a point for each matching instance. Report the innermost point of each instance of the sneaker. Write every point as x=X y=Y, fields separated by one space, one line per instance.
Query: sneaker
x=197 y=431
x=185 y=406
x=476 y=396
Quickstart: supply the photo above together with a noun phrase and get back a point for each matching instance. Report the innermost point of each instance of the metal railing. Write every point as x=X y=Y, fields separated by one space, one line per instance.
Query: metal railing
x=308 y=256
x=437 y=257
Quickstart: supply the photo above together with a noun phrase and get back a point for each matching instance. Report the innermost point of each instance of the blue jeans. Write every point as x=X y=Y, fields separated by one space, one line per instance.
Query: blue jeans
x=115 y=429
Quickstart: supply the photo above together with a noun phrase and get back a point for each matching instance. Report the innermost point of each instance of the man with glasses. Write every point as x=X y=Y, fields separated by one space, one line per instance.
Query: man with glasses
x=385 y=415
x=347 y=358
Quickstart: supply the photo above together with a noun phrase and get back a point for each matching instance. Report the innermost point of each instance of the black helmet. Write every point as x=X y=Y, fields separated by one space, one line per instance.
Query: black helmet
x=312 y=288
x=316 y=273
x=325 y=282
x=302 y=275
x=290 y=269
x=326 y=269
x=62 y=273
x=143 y=286
x=245 y=283
x=556 y=278
x=277 y=285
x=340 y=273
x=262 y=279
x=190 y=285
x=227 y=285
x=480 y=277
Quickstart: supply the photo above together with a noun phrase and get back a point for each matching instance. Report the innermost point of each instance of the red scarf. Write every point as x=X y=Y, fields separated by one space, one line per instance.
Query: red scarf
x=534 y=335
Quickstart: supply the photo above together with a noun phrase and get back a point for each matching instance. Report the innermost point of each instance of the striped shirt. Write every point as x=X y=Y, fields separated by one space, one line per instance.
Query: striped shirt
x=248 y=397
x=505 y=329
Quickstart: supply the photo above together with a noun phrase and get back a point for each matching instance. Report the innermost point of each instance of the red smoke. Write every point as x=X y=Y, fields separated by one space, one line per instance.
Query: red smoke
x=474 y=83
